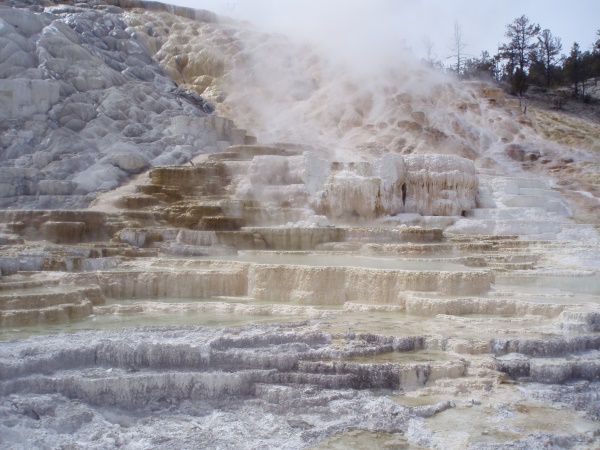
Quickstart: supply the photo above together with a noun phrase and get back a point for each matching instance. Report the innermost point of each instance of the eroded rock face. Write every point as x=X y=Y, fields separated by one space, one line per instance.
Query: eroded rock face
x=431 y=185
x=83 y=106
x=132 y=376
x=172 y=384
x=402 y=352
x=409 y=312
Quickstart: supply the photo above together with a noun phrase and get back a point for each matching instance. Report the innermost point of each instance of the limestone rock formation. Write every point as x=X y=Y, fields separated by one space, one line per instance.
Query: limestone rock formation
x=289 y=91
x=392 y=264
x=433 y=185
x=83 y=106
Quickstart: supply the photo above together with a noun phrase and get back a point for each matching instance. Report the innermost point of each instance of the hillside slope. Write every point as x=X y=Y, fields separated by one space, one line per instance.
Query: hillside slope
x=119 y=95
x=84 y=105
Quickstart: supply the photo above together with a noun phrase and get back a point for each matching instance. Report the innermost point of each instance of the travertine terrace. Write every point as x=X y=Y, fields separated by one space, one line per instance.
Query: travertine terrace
x=397 y=270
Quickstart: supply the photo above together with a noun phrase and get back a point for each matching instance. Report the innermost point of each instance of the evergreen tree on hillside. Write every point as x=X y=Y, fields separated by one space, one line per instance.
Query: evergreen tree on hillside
x=482 y=67
x=588 y=61
x=596 y=56
x=548 y=51
x=573 y=68
x=537 y=70
x=520 y=48
x=519 y=83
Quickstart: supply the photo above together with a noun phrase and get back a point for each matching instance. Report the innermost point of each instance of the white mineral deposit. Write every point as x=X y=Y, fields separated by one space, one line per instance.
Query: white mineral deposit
x=214 y=236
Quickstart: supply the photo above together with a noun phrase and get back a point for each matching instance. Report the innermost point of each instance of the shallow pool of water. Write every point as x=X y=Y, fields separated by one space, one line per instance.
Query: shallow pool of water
x=552 y=284
x=39 y=290
x=345 y=260
x=409 y=357
x=117 y=322
x=357 y=439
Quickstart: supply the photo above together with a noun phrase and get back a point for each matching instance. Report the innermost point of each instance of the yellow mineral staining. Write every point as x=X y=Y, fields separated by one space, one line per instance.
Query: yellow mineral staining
x=567 y=130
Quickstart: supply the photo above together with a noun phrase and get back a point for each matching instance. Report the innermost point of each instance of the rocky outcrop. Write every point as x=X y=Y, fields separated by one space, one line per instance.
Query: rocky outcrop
x=404 y=284
x=58 y=306
x=431 y=185
x=294 y=378
x=84 y=106
x=427 y=185
x=336 y=285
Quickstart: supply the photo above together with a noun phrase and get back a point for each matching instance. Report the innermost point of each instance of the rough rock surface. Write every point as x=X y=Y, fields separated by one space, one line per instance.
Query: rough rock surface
x=83 y=105
x=430 y=185
x=236 y=378
x=284 y=90
x=442 y=305
x=277 y=386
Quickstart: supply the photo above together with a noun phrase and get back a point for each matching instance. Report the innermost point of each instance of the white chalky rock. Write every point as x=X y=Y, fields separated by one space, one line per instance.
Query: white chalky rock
x=54 y=187
x=348 y=194
x=133 y=237
x=23 y=98
x=129 y=162
x=434 y=185
x=74 y=82
x=440 y=185
x=28 y=24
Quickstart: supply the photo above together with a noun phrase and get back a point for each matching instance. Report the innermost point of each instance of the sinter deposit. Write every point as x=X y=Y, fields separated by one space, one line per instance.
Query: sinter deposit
x=216 y=237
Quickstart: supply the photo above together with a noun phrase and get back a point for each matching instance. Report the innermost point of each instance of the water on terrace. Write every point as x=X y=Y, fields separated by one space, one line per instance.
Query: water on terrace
x=237 y=310
x=331 y=259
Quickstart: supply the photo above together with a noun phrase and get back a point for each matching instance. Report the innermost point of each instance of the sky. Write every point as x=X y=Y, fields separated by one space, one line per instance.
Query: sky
x=408 y=23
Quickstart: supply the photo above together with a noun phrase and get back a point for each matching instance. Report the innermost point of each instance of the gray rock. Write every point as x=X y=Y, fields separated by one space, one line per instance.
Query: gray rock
x=129 y=162
x=55 y=187
x=86 y=105
x=23 y=98
x=26 y=23
x=134 y=237
x=9 y=266
x=98 y=177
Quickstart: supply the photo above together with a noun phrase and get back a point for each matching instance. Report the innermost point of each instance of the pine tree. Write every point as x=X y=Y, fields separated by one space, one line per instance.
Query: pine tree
x=596 y=56
x=549 y=48
x=482 y=67
x=519 y=83
x=573 y=67
x=518 y=51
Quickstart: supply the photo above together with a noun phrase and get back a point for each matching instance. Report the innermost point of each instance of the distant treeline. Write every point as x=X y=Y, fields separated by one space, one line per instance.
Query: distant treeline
x=531 y=56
